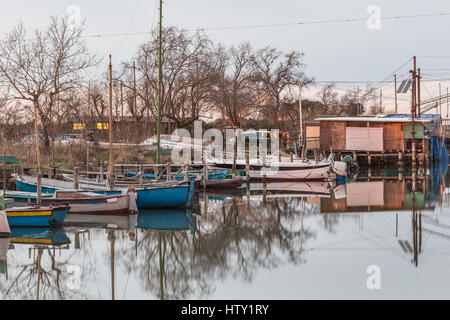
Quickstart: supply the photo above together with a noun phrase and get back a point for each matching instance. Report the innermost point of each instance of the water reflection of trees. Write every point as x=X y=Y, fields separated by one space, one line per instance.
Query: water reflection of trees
x=42 y=278
x=236 y=240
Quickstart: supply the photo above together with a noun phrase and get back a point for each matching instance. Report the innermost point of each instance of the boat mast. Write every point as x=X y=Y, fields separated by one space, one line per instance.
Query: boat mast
x=300 y=110
x=158 y=120
x=111 y=164
x=38 y=154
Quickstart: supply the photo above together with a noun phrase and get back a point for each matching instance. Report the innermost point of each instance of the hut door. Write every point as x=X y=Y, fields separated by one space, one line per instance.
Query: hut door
x=393 y=137
x=338 y=135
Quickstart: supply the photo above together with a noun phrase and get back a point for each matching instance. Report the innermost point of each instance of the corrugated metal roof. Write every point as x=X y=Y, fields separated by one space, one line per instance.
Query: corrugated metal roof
x=385 y=118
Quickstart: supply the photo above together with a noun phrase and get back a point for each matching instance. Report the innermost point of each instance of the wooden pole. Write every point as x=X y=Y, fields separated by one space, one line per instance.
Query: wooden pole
x=158 y=120
x=4 y=168
x=101 y=169
x=111 y=160
x=247 y=166
x=205 y=178
x=300 y=110
x=39 y=186
x=36 y=133
x=76 y=173
x=418 y=92
x=233 y=169
x=168 y=171
x=141 y=176
x=447 y=102
x=395 y=90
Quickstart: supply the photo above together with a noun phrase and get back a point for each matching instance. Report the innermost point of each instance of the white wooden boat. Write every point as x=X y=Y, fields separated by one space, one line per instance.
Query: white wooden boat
x=285 y=169
x=5 y=232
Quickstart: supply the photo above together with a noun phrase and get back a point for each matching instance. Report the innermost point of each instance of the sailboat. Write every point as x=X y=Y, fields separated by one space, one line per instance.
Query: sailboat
x=284 y=170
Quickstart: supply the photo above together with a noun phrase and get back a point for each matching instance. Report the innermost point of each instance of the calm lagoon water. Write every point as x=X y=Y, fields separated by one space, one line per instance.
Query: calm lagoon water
x=298 y=241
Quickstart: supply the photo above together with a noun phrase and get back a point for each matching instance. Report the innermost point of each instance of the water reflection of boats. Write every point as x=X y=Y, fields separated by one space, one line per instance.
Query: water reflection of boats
x=124 y=222
x=40 y=236
x=291 y=189
x=166 y=220
x=377 y=196
x=4 y=245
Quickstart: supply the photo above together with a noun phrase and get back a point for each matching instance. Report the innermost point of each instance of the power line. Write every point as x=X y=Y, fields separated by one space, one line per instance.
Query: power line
x=300 y=23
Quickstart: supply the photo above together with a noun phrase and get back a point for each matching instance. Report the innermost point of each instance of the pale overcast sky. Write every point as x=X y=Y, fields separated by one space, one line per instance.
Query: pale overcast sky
x=334 y=51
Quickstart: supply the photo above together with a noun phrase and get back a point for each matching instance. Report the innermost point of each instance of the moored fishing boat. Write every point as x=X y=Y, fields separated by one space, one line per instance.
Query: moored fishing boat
x=284 y=170
x=162 y=195
x=37 y=216
x=192 y=176
x=83 y=202
x=175 y=196
x=5 y=231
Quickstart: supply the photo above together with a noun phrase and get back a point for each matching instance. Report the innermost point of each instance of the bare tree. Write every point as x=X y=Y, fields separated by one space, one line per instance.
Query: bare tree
x=235 y=95
x=275 y=73
x=38 y=70
x=186 y=77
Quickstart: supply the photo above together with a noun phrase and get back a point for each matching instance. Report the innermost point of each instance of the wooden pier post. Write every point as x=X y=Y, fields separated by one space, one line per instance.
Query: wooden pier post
x=233 y=169
x=186 y=172
x=101 y=169
x=75 y=178
x=291 y=156
x=413 y=158
x=141 y=176
x=169 y=171
x=264 y=171
x=400 y=159
x=205 y=178
x=39 y=186
x=247 y=166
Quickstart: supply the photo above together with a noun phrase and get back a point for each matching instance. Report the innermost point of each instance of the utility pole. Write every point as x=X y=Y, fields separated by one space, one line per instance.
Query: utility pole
x=300 y=110
x=158 y=121
x=134 y=86
x=111 y=164
x=395 y=90
x=440 y=100
x=121 y=100
x=447 y=102
x=381 y=100
x=418 y=93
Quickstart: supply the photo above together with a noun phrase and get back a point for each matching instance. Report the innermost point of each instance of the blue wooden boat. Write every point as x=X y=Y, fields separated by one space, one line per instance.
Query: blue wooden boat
x=165 y=195
x=168 y=219
x=177 y=196
x=212 y=176
x=37 y=216
x=40 y=236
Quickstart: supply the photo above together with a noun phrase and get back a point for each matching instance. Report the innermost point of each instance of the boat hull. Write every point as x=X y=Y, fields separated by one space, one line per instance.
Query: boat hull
x=5 y=231
x=28 y=187
x=109 y=205
x=170 y=197
x=36 y=217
